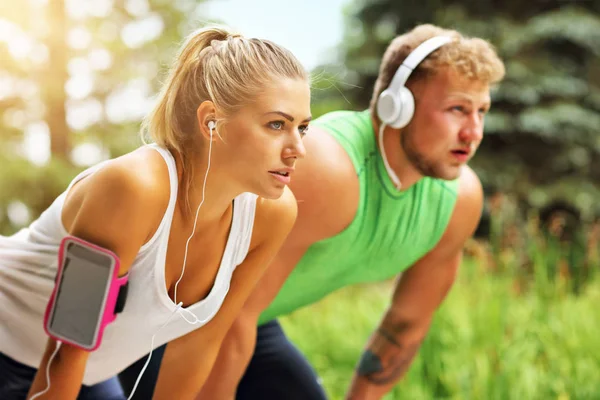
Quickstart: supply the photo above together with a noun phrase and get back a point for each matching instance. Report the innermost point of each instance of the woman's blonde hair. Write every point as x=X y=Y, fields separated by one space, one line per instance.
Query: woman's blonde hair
x=472 y=58
x=218 y=65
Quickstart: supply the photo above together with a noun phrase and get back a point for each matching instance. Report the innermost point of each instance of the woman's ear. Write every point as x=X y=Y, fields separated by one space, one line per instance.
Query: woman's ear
x=206 y=119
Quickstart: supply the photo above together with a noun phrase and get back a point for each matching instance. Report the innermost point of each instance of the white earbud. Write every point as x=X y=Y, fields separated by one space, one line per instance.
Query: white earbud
x=211 y=126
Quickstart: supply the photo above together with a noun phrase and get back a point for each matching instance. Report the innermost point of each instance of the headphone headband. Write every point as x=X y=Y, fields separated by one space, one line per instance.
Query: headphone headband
x=415 y=58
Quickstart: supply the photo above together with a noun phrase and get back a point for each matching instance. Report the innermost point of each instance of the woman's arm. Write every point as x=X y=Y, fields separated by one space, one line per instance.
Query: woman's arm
x=65 y=373
x=113 y=209
x=188 y=360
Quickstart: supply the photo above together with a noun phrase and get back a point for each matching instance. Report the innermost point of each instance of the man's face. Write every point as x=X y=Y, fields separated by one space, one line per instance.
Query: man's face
x=447 y=126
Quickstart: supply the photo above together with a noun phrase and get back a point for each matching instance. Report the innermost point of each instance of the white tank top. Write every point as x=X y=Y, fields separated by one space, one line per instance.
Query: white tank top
x=28 y=264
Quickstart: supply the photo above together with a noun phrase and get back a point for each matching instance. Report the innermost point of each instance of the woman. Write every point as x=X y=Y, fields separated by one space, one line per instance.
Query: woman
x=208 y=197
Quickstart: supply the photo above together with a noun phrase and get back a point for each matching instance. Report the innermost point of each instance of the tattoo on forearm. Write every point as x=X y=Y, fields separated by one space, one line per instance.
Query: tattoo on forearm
x=385 y=368
x=389 y=336
x=369 y=364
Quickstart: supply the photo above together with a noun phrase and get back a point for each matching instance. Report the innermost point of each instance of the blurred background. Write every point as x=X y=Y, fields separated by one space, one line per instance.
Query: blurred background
x=76 y=77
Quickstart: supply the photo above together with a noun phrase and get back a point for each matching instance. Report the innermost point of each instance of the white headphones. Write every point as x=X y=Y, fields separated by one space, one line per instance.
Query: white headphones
x=211 y=126
x=396 y=104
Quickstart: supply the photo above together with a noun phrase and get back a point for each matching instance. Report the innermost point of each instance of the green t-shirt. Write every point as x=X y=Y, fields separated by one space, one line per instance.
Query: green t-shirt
x=390 y=231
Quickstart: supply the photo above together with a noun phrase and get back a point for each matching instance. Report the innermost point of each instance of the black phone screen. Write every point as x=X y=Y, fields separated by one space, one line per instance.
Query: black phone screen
x=81 y=294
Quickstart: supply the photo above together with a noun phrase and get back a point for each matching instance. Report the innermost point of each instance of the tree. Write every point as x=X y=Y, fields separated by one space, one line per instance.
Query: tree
x=80 y=74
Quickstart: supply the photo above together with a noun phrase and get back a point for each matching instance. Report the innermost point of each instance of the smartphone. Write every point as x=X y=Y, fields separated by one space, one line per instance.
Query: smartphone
x=87 y=295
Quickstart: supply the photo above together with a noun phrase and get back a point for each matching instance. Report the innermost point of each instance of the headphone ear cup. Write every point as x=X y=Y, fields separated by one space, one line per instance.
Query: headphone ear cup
x=406 y=108
x=388 y=106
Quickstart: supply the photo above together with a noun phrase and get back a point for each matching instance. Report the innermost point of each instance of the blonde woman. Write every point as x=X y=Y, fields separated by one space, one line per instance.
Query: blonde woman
x=194 y=218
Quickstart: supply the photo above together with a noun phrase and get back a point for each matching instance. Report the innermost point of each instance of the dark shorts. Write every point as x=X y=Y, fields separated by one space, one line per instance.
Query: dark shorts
x=277 y=371
x=16 y=379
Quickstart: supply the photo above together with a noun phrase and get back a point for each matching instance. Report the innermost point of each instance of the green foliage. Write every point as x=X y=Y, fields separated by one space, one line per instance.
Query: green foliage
x=99 y=41
x=34 y=186
x=328 y=90
x=489 y=340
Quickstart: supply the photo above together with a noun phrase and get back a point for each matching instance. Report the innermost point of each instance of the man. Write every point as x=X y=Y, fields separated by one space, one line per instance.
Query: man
x=374 y=200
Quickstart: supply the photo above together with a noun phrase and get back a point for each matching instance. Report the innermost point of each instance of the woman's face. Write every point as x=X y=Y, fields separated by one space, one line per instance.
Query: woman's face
x=263 y=139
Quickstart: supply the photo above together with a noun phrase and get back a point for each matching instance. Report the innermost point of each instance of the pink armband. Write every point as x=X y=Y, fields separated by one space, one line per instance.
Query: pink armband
x=87 y=295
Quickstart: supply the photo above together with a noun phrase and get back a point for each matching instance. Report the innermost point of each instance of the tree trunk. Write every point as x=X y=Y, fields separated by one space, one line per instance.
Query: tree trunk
x=56 y=77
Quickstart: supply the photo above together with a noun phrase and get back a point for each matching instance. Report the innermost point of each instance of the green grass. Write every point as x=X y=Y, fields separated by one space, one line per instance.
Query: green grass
x=488 y=340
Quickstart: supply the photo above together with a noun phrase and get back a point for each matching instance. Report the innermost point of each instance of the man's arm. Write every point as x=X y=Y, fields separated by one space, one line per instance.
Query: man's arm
x=418 y=294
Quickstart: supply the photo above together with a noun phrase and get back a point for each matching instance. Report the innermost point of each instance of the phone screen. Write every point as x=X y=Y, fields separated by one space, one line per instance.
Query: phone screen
x=81 y=294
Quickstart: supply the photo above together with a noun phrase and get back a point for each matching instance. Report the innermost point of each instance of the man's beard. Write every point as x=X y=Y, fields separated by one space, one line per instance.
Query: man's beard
x=419 y=161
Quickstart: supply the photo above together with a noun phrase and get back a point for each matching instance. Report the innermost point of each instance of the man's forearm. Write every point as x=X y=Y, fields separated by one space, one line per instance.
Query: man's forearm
x=386 y=359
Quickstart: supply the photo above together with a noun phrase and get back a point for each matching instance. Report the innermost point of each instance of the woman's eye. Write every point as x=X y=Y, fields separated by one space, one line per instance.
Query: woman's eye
x=303 y=129
x=277 y=125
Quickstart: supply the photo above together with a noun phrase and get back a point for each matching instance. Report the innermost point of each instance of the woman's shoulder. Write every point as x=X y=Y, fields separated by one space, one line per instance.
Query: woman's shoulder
x=132 y=191
x=141 y=175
